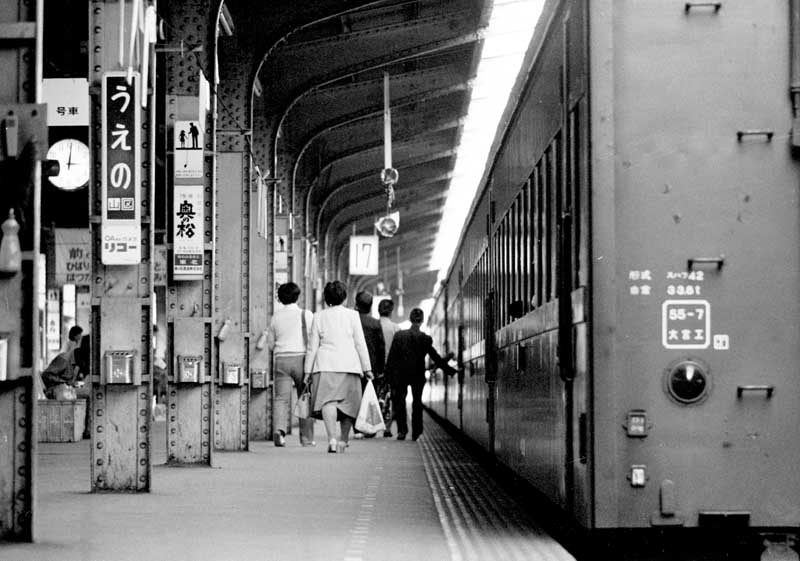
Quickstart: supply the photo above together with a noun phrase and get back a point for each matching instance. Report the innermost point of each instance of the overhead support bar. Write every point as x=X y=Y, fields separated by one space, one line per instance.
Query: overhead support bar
x=226 y=21
x=387 y=124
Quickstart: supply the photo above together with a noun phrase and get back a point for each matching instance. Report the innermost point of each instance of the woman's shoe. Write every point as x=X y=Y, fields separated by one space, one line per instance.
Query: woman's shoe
x=332 y=446
x=341 y=446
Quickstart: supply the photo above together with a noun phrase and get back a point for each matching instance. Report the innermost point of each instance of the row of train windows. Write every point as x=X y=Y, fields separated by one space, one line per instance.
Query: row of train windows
x=521 y=264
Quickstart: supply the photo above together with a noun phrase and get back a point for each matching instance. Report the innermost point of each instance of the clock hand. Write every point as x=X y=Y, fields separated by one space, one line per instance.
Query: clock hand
x=69 y=159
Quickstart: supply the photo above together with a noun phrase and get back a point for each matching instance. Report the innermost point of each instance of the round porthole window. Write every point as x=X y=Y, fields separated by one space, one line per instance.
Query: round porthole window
x=687 y=381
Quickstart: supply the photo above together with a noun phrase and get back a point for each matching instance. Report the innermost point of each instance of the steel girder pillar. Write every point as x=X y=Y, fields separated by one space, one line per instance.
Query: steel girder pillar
x=122 y=254
x=23 y=121
x=191 y=349
x=233 y=235
x=262 y=293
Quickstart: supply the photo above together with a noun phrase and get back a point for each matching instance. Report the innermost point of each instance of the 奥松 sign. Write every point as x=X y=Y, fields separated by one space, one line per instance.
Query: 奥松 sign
x=187 y=239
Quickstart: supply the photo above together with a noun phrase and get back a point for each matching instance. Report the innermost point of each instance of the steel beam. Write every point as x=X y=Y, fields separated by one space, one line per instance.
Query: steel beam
x=190 y=309
x=21 y=69
x=121 y=293
x=235 y=214
x=262 y=275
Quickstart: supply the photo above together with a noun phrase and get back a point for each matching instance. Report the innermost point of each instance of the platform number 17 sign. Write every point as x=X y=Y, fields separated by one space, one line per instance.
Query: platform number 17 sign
x=363 y=255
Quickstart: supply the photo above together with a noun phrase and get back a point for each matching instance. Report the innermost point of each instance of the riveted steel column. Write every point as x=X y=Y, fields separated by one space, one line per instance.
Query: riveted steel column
x=189 y=60
x=121 y=293
x=20 y=66
x=261 y=288
x=232 y=263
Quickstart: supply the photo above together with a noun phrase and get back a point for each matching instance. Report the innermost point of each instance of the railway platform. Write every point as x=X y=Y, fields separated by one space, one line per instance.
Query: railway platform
x=380 y=500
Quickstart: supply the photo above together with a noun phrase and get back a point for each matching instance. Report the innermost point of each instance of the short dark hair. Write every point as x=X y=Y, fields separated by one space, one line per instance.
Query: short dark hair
x=75 y=332
x=386 y=307
x=416 y=316
x=364 y=302
x=288 y=293
x=335 y=293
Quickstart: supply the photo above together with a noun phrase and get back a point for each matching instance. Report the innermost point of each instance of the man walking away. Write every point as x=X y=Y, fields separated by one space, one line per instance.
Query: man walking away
x=382 y=386
x=373 y=334
x=406 y=366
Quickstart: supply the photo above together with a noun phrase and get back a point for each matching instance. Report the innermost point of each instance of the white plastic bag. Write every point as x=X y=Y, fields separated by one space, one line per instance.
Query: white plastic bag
x=370 y=419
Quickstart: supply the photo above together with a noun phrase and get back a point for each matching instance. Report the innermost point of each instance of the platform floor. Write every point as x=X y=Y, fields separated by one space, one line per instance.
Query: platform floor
x=382 y=500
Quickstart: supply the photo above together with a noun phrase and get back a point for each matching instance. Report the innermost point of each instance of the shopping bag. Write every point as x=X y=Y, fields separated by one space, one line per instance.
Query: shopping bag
x=370 y=419
x=302 y=407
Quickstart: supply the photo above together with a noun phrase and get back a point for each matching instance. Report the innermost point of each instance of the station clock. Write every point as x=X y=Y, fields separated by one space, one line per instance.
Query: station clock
x=73 y=159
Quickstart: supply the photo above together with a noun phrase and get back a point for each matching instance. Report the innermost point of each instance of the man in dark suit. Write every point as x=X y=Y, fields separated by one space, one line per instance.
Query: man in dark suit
x=406 y=366
x=373 y=334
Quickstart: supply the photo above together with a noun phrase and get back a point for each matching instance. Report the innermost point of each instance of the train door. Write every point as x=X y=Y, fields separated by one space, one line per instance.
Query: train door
x=566 y=368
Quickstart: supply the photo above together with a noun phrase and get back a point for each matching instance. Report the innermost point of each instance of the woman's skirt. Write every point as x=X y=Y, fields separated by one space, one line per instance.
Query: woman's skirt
x=341 y=387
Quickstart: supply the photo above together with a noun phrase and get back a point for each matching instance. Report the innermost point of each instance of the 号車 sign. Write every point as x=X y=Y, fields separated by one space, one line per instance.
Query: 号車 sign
x=67 y=101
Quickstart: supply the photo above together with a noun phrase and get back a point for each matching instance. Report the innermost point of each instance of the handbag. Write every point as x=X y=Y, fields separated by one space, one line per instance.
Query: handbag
x=370 y=418
x=302 y=407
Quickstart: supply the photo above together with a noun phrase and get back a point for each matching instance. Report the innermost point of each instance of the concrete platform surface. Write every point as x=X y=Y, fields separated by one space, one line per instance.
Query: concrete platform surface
x=381 y=500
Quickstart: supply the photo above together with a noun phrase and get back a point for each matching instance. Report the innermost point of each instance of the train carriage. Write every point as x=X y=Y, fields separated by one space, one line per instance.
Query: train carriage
x=624 y=299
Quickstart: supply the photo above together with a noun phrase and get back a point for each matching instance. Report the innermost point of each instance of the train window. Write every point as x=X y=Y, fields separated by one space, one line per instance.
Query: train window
x=575 y=169
x=501 y=287
x=526 y=244
x=519 y=260
x=568 y=200
x=557 y=185
x=509 y=265
x=687 y=381
x=549 y=209
x=512 y=252
x=540 y=213
x=512 y=256
x=484 y=291
x=496 y=275
x=501 y=275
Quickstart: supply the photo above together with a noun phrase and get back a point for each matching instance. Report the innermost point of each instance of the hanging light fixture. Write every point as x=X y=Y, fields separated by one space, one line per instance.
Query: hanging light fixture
x=388 y=224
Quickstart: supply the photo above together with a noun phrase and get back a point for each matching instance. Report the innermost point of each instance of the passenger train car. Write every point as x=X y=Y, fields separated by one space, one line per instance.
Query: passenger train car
x=624 y=298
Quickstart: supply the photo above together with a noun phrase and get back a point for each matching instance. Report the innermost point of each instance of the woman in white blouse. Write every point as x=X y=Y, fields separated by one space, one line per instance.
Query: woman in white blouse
x=338 y=358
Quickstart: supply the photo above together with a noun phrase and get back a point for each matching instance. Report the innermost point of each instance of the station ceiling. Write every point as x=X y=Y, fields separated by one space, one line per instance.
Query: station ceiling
x=319 y=84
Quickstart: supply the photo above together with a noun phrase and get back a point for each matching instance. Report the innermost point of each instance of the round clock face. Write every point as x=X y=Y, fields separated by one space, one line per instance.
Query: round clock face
x=73 y=160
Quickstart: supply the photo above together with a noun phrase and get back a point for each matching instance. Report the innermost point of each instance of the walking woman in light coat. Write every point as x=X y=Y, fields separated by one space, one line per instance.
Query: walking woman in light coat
x=336 y=360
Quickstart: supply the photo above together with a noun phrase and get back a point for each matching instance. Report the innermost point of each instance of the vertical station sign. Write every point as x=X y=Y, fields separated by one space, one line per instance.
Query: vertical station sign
x=187 y=245
x=188 y=215
x=121 y=169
